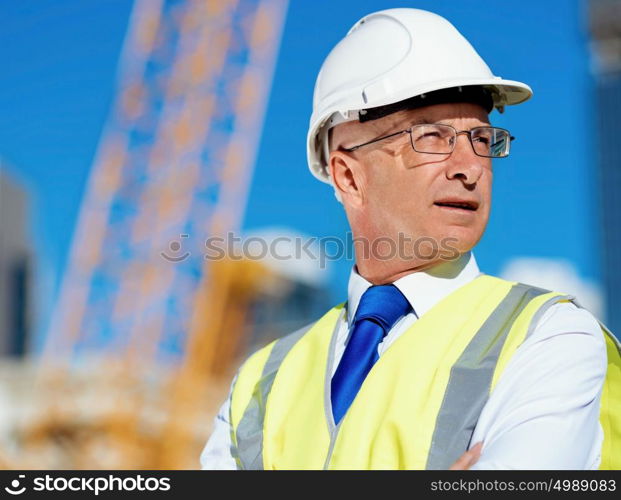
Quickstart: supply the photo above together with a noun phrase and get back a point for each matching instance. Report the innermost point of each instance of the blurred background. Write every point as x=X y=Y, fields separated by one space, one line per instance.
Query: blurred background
x=138 y=136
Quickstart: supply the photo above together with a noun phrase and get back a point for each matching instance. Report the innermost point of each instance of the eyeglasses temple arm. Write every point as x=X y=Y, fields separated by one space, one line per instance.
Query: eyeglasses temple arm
x=353 y=148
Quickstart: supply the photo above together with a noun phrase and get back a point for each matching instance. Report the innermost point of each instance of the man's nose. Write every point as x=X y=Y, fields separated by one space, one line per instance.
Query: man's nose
x=464 y=163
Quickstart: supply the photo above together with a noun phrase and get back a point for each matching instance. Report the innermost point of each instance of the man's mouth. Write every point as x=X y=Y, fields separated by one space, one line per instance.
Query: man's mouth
x=458 y=204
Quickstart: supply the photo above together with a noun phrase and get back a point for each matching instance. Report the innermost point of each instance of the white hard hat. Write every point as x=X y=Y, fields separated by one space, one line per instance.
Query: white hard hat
x=390 y=56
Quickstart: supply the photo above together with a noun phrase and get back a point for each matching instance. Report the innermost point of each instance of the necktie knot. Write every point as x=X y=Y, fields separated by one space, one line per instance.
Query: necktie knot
x=384 y=304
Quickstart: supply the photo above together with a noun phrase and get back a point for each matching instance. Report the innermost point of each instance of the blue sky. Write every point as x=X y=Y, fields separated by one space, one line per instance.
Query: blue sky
x=58 y=81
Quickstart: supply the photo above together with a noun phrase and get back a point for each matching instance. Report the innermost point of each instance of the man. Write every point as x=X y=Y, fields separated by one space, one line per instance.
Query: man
x=430 y=363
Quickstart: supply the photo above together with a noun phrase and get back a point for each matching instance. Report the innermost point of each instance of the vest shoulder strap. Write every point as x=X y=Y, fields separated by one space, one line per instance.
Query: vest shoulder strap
x=247 y=435
x=472 y=375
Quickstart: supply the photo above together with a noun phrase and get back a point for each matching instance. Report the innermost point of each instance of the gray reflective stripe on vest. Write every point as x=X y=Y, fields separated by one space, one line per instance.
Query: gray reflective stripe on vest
x=604 y=328
x=248 y=451
x=471 y=377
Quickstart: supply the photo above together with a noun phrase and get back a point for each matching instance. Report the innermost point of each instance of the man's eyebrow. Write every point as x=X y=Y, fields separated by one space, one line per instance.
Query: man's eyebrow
x=422 y=119
x=402 y=125
x=418 y=121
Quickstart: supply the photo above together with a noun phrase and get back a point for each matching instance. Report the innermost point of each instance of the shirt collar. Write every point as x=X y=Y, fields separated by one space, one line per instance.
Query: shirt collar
x=422 y=289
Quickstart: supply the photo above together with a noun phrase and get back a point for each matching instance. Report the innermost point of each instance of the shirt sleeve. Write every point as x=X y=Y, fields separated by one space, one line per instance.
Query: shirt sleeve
x=544 y=410
x=216 y=454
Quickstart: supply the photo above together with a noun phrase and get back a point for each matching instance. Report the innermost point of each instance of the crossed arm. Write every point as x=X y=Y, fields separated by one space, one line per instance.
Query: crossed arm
x=544 y=411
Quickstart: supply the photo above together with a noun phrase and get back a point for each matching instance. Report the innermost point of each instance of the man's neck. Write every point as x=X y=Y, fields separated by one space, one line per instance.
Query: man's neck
x=422 y=289
x=381 y=275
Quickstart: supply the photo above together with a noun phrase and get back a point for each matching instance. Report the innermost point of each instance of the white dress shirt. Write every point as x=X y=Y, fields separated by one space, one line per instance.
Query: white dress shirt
x=543 y=412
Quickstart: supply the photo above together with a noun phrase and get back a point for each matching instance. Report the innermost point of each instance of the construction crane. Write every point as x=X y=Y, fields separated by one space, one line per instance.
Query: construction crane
x=173 y=168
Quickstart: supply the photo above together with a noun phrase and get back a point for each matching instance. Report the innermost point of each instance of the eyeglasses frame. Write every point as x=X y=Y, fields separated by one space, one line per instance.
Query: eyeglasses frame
x=457 y=133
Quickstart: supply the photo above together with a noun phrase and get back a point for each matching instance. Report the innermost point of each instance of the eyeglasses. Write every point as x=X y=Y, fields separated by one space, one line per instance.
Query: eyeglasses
x=440 y=139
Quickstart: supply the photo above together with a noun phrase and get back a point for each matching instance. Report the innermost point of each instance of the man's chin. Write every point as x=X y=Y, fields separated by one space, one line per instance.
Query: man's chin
x=460 y=239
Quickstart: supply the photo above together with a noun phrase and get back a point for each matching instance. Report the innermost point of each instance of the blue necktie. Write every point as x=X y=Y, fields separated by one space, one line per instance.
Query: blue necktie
x=379 y=309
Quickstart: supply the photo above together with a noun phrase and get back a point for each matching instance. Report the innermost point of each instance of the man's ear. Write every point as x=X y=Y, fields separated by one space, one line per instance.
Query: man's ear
x=347 y=175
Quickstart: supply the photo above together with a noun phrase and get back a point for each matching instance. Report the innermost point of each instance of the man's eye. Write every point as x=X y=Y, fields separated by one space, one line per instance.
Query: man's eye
x=428 y=136
x=482 y=140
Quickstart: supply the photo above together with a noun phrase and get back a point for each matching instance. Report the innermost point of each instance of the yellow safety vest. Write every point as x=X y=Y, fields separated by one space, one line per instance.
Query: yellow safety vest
x=418 y=406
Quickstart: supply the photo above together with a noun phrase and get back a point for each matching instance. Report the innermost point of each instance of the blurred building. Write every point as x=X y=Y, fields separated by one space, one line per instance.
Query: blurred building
x=116 y=414
x=146 y=332
x=299 y=289
x=15 y=267
x=605 y=25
